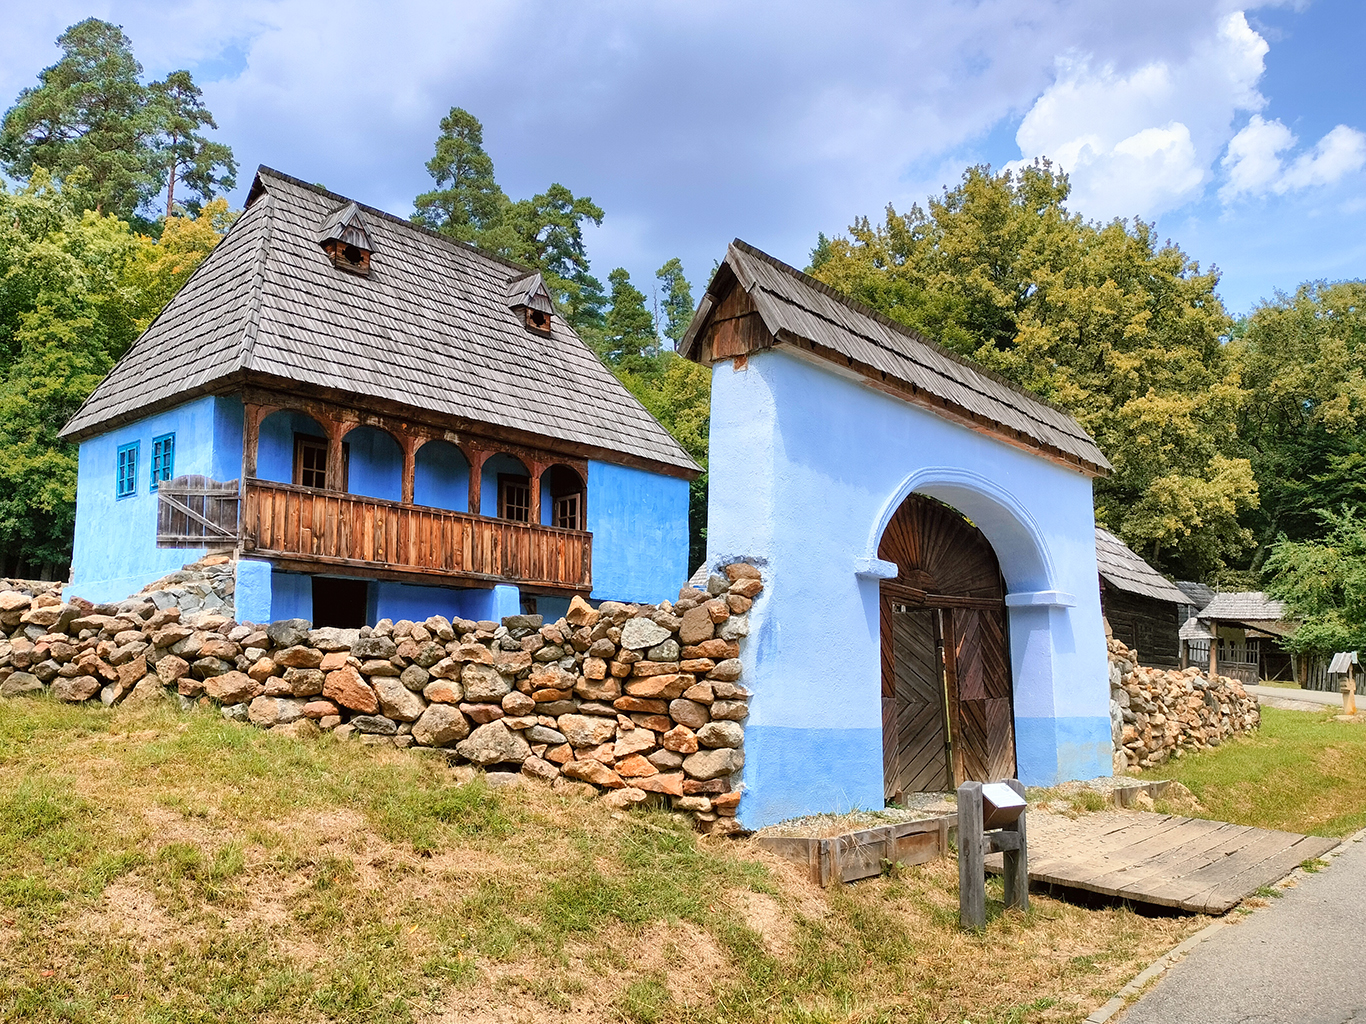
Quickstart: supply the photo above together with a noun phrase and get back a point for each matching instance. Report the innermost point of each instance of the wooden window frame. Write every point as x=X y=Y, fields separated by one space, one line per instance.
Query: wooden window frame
x=566 y=511
x=314 y=441
x=163 y=458
x=126 y=470
x=506 y=482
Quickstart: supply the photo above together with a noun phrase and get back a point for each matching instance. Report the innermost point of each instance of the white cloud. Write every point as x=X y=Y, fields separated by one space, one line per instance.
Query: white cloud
x=1255 y=166
x=1143 y=142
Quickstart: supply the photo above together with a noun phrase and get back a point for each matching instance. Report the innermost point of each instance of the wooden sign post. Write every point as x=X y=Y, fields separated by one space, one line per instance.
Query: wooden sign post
x=991 y=819
x=1349 y=690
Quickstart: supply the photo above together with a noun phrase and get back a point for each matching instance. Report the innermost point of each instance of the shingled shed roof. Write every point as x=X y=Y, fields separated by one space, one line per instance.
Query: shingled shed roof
x=1124 y=570
x=796 y=309
x=1250 y=606
x=430 y=329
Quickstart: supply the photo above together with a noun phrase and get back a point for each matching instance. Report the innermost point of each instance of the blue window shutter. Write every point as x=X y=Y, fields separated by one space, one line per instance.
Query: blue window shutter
x=127 y=478
x=163 y=459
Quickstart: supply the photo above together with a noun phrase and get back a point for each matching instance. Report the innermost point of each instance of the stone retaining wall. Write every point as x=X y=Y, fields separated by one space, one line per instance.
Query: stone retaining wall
x=639 y=701
x=1156 y=713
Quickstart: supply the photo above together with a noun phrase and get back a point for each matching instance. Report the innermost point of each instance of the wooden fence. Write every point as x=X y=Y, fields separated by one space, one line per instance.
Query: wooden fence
x=197 y=512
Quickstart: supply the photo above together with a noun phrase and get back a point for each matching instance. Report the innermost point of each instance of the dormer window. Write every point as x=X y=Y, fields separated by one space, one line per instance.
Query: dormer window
x=346 y=240
x=529 y=299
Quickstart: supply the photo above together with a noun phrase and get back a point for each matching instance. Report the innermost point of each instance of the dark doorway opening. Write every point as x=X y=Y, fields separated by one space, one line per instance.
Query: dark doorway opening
x=340 y=603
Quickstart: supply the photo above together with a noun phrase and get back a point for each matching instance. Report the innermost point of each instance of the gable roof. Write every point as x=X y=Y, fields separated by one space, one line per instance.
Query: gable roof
x=430 y=329
x=1197 y=594
x=1126 y=571
x=798 y=309
x=1244 y=606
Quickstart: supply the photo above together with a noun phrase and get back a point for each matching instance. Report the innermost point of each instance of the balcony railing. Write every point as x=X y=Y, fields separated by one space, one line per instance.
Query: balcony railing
x=312 y=529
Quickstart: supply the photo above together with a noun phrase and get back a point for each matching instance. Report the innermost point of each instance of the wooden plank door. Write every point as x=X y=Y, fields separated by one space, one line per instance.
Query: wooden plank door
x=915 y=756
x=980 y=695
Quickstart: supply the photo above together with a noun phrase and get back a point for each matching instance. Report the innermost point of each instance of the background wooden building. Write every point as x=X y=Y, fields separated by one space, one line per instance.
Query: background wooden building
x=1142 y=607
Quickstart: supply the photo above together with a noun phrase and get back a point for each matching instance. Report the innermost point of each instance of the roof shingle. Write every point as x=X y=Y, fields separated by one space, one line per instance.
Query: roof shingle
x=1126 y=571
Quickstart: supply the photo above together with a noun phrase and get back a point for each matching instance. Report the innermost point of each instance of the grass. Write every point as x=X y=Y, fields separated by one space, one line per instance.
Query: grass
x=1300 y=772
x=160 y=867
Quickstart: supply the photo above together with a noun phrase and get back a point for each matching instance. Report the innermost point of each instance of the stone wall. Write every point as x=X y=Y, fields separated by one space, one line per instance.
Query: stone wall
x=641 y=702
x=1156 y=713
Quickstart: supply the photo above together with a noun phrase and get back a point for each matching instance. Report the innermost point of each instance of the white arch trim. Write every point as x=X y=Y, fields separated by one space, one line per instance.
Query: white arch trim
x=1031 y=578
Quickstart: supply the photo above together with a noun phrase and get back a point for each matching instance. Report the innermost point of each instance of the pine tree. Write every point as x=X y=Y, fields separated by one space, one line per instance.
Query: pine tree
x=467 y=200
x=678 y=303
x=629 y=334
x=204 y=169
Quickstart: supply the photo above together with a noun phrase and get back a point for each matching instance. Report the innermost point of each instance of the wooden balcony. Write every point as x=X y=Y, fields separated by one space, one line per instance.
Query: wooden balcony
x=313 y=530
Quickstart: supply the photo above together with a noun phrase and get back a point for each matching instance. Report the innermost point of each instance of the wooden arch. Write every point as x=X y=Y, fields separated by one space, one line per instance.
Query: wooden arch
x=947 y=710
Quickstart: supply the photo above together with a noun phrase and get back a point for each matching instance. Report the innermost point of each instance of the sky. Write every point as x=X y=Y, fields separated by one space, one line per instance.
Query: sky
x=1240 y=129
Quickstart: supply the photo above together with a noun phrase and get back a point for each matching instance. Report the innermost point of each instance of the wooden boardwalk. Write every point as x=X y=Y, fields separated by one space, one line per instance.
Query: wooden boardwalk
x=1187 y=863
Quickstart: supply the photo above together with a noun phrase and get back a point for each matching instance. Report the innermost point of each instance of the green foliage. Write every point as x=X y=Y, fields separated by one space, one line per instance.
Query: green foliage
x=76 y=288
x=1121 y=331
x=467 y=201
x=1323 y=581
x=91 y=115
x=678 y=302
x=629 y=340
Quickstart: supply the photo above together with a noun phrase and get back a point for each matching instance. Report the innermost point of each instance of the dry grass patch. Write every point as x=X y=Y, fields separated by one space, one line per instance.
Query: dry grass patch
x=158 y=867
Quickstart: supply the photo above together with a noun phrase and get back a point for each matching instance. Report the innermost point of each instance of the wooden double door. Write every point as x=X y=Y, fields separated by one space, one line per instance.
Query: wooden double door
x=947 y=712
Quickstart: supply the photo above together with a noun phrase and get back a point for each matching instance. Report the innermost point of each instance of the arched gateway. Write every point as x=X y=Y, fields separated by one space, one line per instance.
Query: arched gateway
x=947 y=715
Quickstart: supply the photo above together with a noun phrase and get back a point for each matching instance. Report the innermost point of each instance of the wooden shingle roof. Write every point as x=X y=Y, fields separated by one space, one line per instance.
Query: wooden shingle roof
x=1123 y=569
x=797 y=309
x=430 y=329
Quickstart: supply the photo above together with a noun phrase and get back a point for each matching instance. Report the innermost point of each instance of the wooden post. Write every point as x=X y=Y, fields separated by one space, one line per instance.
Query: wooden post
x=1185 y=654
x=1016 y=862
x=252 y=415
x=409 y=443
x=336 y=460
x=534 y=513
x=972 y=873
x=476 y=461
x=1349 y=691
x=1213 y=649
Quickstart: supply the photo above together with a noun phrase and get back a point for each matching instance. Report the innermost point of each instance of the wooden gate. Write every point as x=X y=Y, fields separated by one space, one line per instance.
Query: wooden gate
x=947 y=711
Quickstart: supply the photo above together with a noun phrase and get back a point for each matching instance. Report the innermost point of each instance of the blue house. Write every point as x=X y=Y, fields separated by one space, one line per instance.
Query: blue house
x=930 y=612
x=374 y=421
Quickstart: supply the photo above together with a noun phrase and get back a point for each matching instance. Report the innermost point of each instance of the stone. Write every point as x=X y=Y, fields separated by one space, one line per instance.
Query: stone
x=477 y=653
x=668 y=651
x=593 y=771
x=334 y=660
x=268 y=711
x=444 y=691
x=701 y=692
x=635 y=766
x=641 y=704
x=655 y=723
x=232 y=688
x=741 y=571
x=511 y=622
x=654 y=668
x=726 y=671
x=298 y=657
x=707 y=765
x=594 y=668
x=332 y=639
x=171 y=669
x=484 y=683
x=730 y=710
x=746 y=588
x=206 y=667
x=321 y=709
x=375 y=725
x=552 y=697
x=734 y=628
x=679 y=739
x=516 y=703
x=381 y=647
x=482 y=713
x=659 y=687
x=13 y=601
x=639 y=634
x=586 y=730
x=721 y=734
x=397 y=701
x=581 y=613
x=738 y=605
x=440 y=627
x=665 y=760
x=347 y=688
x=414 y=677
x=512 y=662
x=234 y=712
x=668 y=783
x=440 y=726
x=170 y=634
x=493 y=743
x=624 y=799
x=544 y=734
x=329 y=722
x=561 y=754
x=539 y=768
x=214 y=647
x=189 y=686
x=304 y=682
x=288 y=632
x=379 y=667
x=598 y=689
x=726 y=801
x=261 y=669
x=697 y=626
x=693 y=803
x=636 y=741
x=147 y=691
x=20 y=684
x=602 y=648
x=729 y=691
x=689 y=713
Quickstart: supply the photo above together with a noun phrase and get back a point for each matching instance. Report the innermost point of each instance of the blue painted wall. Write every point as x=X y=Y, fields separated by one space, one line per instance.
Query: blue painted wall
x=115 y=553
x=375 y=464
x=291 y=596
x=639 y=522
x=275 y=449
x=807 y=466
x=488 y=481
x=405 y=601
x=441 y=477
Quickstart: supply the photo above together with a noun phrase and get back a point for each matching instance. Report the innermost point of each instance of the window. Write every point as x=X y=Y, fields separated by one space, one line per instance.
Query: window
x=163 y=459
x=310 y=462
x=127 y=476
x=566 y=497
x=566 y=512
x=514 y=498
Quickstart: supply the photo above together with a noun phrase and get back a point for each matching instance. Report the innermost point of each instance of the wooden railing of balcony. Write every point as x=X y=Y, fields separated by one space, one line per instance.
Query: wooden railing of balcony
x=313 y=529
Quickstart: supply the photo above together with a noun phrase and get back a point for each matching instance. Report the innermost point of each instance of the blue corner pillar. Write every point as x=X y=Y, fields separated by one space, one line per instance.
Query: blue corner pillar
x=251 y=596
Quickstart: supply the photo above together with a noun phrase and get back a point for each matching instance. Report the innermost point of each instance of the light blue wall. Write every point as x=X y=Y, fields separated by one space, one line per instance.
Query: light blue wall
x=441 y=477
x=405 y=601
x=488 y=481
x=807 y=466
x=375 y=464
x=115 y=553
x=275 y=450
x=251 y=596
x=639 y=522
x=291 y=596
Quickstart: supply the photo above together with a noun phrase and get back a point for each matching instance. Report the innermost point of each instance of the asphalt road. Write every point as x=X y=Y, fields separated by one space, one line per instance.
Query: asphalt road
x=1331 y=699
x=1297 y=960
